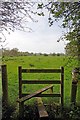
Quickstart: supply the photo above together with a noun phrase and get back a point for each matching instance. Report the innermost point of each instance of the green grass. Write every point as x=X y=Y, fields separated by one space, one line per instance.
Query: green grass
x=38 y=62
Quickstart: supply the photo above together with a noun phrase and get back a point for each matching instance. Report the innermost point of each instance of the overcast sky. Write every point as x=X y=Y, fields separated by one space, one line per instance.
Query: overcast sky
x=42 y=39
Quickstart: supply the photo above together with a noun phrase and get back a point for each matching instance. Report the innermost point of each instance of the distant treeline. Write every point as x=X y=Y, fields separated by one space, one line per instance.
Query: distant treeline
x=16 y=52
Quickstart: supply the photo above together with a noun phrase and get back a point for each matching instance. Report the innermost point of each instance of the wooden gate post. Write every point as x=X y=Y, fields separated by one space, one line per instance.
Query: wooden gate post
x=62 y=87
x=78 y=87
x=21 y=105
x=4 y=86
x=74 y=85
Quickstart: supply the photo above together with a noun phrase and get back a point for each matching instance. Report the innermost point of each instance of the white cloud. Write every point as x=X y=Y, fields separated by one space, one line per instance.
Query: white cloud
x=42 y=39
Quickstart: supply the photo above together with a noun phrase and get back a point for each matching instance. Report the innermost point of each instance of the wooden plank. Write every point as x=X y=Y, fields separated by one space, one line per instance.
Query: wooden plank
x=41 y=81
x=51 y=90
x=44 y=95
x=41 y=70
x=21 y=105
x=62 y=86
x=20 y=81
x=49 y=95
x=41 y=109
x=33 y=94
x=4 y=85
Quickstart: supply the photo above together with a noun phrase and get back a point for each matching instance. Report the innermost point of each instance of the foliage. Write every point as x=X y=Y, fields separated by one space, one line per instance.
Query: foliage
x=69 y=13
x=16 y=52
x=74 y=112
x=71 y=48
x=15 y=15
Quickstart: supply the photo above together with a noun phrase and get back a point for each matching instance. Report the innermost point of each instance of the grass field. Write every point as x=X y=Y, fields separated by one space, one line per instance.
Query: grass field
x=38 y=62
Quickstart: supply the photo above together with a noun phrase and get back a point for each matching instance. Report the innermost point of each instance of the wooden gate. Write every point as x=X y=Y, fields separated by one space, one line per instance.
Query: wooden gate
x=23 y=97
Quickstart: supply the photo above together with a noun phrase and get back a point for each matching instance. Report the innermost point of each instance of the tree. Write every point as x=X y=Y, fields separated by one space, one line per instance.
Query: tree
x=69 y=13
x=14 y=52
x=71 y=49
x=15 y=15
